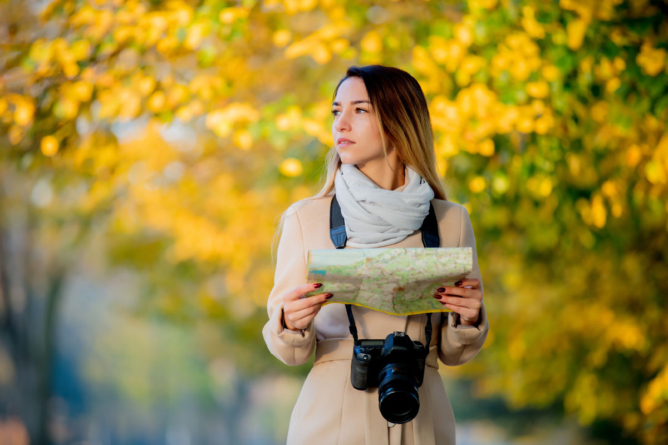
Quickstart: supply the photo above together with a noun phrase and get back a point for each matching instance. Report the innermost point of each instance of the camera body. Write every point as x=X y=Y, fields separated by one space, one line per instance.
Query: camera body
x=396 y=366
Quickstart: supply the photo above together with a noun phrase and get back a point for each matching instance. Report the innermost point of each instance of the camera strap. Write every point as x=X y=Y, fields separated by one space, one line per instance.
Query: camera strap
x=337 y=232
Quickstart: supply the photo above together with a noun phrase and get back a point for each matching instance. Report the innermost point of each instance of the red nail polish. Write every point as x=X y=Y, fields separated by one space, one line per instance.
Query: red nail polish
x=458 y=283
x=437 y=296
x=317 y=285
x=328 y=296
x=441 y=289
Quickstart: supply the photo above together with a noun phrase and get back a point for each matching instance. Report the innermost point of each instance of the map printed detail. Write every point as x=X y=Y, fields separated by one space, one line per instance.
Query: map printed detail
x=397 y=281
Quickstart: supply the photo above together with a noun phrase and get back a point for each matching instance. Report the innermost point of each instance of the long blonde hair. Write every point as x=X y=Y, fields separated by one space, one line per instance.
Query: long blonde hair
x=403 y=117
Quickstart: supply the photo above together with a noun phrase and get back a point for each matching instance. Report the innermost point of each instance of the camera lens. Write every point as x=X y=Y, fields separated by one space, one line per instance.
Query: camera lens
x=398 y=393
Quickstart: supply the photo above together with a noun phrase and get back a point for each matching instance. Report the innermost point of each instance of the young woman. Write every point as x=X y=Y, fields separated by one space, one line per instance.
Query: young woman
x=382 y=171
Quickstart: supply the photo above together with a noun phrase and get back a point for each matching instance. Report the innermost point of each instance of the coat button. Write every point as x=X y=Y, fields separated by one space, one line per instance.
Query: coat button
x=390 y=424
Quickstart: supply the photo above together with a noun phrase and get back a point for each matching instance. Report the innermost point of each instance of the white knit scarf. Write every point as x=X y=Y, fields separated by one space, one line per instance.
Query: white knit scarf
x=376 y=217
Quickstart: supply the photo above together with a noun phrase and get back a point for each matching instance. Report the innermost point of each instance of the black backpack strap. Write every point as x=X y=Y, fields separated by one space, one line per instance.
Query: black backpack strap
x=337 y=232
x=337 y=225
x=430 y=237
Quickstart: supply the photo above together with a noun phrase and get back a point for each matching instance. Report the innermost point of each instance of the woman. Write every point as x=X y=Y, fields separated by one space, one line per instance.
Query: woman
x=384 y=182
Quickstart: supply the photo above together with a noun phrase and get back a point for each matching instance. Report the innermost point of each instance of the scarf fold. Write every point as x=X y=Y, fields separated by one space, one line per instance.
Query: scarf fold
x=376 y=217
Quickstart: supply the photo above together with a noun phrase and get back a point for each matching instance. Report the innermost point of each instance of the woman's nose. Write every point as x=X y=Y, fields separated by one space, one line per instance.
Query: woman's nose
x=342 y=122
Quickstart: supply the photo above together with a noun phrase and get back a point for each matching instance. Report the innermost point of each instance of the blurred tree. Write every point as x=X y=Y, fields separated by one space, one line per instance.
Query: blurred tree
x=552 y=114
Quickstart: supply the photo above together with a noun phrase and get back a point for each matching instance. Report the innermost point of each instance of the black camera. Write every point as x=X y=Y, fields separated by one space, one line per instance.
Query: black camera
x=396 y=366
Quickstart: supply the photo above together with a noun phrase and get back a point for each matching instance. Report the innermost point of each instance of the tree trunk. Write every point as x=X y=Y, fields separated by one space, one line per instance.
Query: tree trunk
x=28 y=320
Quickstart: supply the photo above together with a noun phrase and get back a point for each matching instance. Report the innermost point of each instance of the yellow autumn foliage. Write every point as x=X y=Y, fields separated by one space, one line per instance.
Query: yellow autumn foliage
x=199 y=125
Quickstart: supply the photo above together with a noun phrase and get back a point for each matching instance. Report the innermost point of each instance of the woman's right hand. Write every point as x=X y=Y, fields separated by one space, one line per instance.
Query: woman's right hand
x=298 y=311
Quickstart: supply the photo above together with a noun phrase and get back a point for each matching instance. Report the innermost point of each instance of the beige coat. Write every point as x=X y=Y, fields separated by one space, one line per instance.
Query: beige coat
x=329 y=410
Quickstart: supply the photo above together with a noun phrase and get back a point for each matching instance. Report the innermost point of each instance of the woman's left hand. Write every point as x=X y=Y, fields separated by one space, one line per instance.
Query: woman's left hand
x=466 y=302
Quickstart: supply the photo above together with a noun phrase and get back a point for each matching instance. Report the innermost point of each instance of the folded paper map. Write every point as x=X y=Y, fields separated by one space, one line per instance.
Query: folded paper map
x=397 y=281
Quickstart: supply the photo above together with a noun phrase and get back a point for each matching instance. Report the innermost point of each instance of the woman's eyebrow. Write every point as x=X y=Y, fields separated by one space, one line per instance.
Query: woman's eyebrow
x=353 y=102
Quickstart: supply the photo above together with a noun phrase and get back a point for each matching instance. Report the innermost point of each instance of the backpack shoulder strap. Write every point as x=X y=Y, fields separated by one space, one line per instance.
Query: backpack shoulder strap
x=337 y=225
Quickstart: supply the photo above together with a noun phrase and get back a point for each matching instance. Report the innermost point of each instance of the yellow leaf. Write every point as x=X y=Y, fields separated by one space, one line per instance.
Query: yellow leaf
x=83 y=90
x=156 y=102
x=290 y=119
x=67 y=108
x=482 y=4
x=16 y=133
x=195 y=35
x=307 y=5
x=538 y=89
x=438 y=48
x=291 y=167
x=229 y=15
x=146 y=85
x=543 y=124
x=500 y=184
x=339 y=45
x=486 y=147
x=576 y=30
x=477 y=184
x=243 y=139
x=613 y=84
x=463 y=34
x=312 y=127
x=525 y=125
x=130 y=104
x=298 y=49
x=651 y=60
x=619 y=64
x=49 y=145
x=600 y=111
x=598 y=211
x=545 y=187
x=372 y=42
x=176 y=95
x=655 y=172
x=25 y=110
x=550 y=73
x=281 y=37
x=320 y=53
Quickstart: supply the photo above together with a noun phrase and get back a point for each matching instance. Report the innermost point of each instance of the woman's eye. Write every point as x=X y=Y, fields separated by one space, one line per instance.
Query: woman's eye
x=335 y=111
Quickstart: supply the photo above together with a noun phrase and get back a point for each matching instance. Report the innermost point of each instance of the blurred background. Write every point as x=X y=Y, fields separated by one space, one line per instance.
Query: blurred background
x=147 y=148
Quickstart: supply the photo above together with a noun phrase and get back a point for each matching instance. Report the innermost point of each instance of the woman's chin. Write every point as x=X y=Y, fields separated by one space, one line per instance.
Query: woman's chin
x=347 y=158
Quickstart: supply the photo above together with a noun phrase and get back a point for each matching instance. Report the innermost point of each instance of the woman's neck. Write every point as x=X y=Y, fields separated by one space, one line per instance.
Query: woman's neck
x=388 y=177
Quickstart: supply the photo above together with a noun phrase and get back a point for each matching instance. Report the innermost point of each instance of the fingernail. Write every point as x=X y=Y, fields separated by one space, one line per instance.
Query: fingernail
x=317 y=285
x=328 y=296
x=441 y=289
x=437 y=296
x=458 y=283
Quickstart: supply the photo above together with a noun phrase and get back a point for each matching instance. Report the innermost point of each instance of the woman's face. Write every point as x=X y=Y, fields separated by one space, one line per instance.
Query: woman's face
x=355 y=120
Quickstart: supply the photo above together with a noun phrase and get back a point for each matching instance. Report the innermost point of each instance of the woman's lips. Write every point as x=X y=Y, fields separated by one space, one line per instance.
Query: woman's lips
x=345 y=143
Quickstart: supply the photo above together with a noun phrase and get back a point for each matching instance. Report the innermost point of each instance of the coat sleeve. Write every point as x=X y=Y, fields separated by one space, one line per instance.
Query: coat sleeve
x=458 y=343
x=291 y=347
